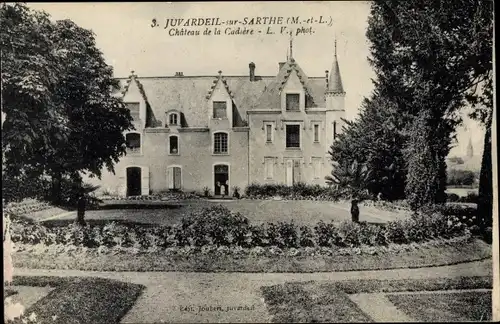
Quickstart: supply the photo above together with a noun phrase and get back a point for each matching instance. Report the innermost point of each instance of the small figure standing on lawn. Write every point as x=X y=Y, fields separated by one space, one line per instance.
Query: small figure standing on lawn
x=354 y=211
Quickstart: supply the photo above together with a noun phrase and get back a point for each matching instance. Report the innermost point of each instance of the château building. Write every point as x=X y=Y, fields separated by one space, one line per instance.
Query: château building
x=223 y=131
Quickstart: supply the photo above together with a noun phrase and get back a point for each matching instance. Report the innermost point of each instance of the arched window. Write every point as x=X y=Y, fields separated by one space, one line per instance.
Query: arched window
x=220 y=143
x=133 y=142
x=173 y=144
x=172 y=119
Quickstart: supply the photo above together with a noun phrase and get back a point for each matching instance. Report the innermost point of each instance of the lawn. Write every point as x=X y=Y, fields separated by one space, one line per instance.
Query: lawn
x=257 y=211
x=329 y=302
x=81 y=300
x=445 y=307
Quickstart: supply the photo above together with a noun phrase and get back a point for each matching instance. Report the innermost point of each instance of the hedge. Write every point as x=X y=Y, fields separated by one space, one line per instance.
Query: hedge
x=217 y=226
x=297 y=191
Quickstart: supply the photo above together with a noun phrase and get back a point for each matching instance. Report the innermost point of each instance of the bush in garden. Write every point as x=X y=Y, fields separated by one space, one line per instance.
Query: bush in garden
x=370 y=234
x=306 y=236
x=460 y=177
x=326 y=234
x=256 y=236
x=289 y=234
x=395 y=232
x=349 y=233
x=452 y=197
x=216 y=224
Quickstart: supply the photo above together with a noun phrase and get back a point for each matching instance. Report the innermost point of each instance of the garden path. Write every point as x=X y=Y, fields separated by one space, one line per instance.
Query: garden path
x=183 y=297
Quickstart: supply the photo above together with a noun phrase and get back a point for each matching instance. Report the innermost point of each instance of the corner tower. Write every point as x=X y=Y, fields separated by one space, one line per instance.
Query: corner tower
x=335 y=101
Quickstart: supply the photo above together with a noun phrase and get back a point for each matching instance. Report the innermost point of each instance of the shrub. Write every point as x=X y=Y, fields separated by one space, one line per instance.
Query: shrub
x=395 y=232
x=306 y=236
x=326 y=234
x=216 y=224
x=349 y=233
x=299 y=190
x=452 y=197
x=460 y=177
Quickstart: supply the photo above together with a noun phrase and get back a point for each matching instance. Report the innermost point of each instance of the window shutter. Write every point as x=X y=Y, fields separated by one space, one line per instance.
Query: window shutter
x=170 y=178
x=145 y=181
x=177 y=178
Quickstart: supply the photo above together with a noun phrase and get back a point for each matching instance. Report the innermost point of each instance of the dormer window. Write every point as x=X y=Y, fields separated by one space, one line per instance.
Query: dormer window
x=172 y=119
x=219 y=109
x=133 y=107
x=292 y=102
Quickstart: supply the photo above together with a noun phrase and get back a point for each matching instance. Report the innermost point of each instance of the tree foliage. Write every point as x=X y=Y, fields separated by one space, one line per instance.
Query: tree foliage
x=375 y=140
x=351 y=180
x=431 y=58
x=56 y=91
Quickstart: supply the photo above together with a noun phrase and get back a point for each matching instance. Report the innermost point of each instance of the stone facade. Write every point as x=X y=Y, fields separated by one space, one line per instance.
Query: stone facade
x=224 y=131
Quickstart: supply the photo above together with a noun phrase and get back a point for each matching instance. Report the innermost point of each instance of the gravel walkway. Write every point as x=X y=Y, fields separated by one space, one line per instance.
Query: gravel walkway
x=234 y=297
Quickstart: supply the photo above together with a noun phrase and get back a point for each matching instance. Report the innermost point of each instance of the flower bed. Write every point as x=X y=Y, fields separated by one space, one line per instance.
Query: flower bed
x=26 y=206
x=299 y=191
x=167 y=196
x=217 y=227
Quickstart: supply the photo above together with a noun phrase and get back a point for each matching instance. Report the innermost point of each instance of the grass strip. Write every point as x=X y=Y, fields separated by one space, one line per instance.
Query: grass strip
x=81 y=300
x=315 y=301
x=449 y=307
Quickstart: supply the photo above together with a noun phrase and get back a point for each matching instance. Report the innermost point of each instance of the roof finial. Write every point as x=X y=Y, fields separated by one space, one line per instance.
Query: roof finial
x=335 y=42
x=291 y=45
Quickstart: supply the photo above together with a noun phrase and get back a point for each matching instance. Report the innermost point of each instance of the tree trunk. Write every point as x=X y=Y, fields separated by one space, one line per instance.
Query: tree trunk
x=485 y=199
x=80 y=217
x=354 y=211
x=56 y=187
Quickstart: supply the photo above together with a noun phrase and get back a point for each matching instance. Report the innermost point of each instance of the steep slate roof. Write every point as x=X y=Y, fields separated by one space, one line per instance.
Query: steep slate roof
x=313 y=87
x=188 y=94
x=335 y=82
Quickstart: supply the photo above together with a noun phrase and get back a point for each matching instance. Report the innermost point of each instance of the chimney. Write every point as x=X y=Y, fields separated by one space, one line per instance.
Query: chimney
x=251 y=66
x=326 y=79
x=280 y=65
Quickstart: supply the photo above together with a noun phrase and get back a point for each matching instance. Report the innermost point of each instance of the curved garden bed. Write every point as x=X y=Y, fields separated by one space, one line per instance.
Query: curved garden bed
x=215 y=239
x=272 y=259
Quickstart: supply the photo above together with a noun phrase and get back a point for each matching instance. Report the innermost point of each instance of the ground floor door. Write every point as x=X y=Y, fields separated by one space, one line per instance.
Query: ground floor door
x=293 y=171
x=133 y=181
x=221 y=179
x=174 y=178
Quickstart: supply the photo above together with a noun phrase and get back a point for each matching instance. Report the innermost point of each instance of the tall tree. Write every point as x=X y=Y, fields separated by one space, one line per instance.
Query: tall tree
x=62 y=119
x=375 y=138
x=428 y=56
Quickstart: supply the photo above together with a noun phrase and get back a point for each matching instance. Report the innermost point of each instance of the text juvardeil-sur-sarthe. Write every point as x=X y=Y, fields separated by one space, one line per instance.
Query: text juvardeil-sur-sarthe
x=245 y=21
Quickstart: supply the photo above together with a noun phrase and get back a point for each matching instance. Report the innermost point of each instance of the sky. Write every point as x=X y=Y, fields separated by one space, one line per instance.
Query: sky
x=128 y=42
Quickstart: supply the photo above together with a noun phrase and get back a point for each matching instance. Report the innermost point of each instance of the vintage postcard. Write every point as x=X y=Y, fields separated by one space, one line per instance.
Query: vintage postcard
x=258 y=162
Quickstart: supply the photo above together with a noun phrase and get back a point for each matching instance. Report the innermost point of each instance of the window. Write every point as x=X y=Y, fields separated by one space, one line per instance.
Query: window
x=292 y=101
x=316 y=161
x=269 y=166
x=173 y=142
x=133 y=107
x=334 y=130
x=269 y=133
x=220 y=109
x=220 y=143
x=172 y=119
x=293 y=136
x=316 y=133
x=133 y=142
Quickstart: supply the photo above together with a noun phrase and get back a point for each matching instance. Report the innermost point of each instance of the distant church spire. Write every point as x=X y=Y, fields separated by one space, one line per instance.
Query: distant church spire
x=335 y=81
x=470 y=150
